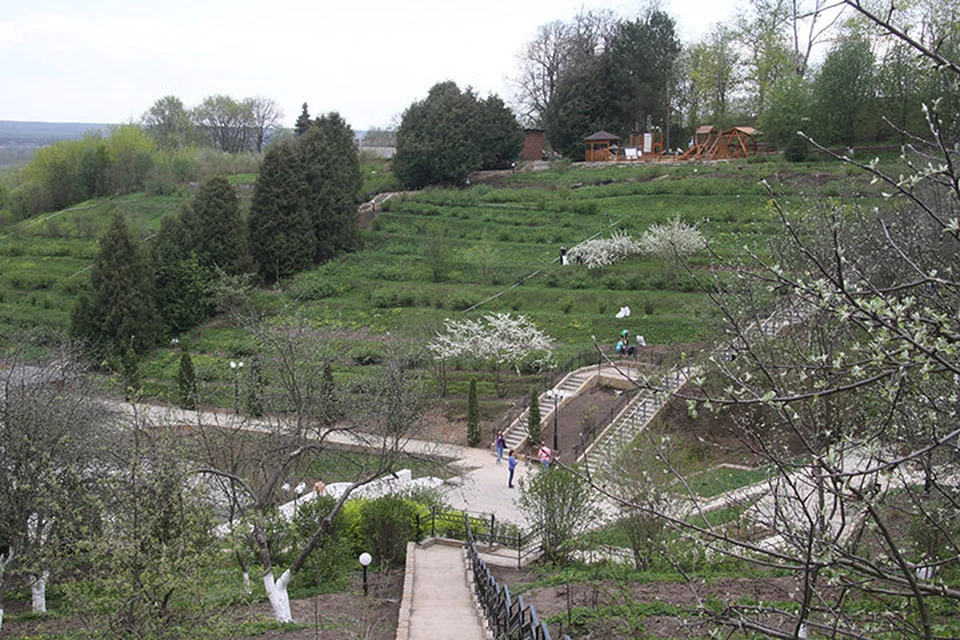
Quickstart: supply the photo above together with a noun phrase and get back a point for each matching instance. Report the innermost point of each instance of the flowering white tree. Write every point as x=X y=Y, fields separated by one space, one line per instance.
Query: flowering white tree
x=600 y=252
x=496 y=340
x=673 y=240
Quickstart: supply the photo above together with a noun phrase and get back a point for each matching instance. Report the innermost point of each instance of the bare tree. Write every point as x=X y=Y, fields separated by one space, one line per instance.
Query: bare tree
x=249 y=463
x=50 y=441
x=840 y=375
x=556 y=47
x=265 y=117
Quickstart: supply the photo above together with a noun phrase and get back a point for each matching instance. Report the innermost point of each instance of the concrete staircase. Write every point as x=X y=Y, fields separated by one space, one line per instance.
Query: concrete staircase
x=571 y=384
x=630 y=422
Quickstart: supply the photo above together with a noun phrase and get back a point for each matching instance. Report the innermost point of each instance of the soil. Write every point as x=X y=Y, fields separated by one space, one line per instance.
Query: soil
x=338 y=616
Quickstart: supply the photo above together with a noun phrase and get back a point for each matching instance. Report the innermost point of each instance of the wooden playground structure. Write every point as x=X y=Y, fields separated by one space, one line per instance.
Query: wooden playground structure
x=708 y=143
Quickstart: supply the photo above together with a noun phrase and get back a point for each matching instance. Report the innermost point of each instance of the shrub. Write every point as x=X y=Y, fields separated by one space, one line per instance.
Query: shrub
x=386 y=525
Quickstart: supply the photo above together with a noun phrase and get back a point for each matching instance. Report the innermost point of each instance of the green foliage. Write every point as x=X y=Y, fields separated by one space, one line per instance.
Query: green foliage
x=214 y=229
x=187 y=382
x=473 y=416
x=797 y=149
x=331 y=170
x=329 y=566
x=533 y=417
x=561 y=505
x=120 y=313
x=386 y=525
x=255 y=387
x=844 y=91
x=447 y=135
x=281 y=236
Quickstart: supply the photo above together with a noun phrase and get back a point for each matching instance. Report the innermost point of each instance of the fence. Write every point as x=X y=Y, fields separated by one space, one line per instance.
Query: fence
x=508 y=618
x=433 y=522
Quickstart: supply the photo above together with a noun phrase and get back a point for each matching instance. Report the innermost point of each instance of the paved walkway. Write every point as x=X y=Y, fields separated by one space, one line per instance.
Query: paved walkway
x=442 y=604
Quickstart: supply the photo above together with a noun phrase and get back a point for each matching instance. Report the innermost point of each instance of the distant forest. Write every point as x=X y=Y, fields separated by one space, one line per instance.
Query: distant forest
x=19 y=140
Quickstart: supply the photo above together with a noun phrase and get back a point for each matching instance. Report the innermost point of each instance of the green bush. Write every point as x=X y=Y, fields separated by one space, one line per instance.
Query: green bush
x=386 y=525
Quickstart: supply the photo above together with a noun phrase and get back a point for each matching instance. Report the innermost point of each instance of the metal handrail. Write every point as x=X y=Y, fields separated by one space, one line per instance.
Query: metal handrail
x=507 y=617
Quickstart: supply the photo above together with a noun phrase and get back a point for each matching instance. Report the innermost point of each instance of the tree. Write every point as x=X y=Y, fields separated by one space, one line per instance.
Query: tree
x=303 y=122
x=450 y=133
x=789 y=109
x=52 y=430
x=839 y=371
x=130 y=150
x=385 y=414
x=533 y=418
x=496 y=340
x=280 y=234
x=844 y=91
x=187 y=382
x=169 y=123
x=227 y=124
x=473 y=416
x=331 y=168
x=561 y=506
x=182 y=285
x=93 y=165
x=215 y=228
x=713 y=68
x=118 y=310
x=265 y=118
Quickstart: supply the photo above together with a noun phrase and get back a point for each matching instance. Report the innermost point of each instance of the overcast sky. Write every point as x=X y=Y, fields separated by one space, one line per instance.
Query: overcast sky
x=110 y=60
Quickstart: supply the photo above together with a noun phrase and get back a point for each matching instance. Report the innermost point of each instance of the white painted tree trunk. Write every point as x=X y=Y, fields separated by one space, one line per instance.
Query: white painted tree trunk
x=277 y=593
x=1 y=618
x=38 y=592
x=246 y=582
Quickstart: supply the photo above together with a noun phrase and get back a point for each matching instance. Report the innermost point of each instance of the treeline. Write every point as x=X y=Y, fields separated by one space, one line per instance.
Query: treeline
x=303 y=212
x=804 y=66
x=171 y=146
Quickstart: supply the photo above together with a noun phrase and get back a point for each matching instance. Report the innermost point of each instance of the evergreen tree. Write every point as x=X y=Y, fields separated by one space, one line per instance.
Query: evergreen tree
x=215 y=228
x=119 y=314
x=533 y=418
x=255 y=388
x=447 y=135
x=303 y=121
x=130 y=370
x=281 y=237
x=473 y=416
x=331 y=168
x=181 y=284
x=187 y=382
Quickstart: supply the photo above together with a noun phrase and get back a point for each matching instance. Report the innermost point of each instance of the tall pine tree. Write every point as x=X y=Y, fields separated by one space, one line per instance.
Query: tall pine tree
x=216 y=231
x=181 y=283
x=331 y=167
x=117 y=316
x=281 y=236
x=303 y=123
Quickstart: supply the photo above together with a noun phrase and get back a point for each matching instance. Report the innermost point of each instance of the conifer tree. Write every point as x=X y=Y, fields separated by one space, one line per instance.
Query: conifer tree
x=303 y=121
x=187 y=382
x=119 y=313
x=280 y=234
x=473 y=416
x=331 y=169
x=215 y=228
x=181 y=283
x=533 y=417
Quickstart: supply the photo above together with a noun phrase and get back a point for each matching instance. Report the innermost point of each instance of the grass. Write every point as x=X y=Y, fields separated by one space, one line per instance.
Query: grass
x=499 y=250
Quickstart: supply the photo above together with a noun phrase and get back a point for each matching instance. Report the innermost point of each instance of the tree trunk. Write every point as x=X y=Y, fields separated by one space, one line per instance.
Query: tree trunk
x=277 y=593
x=38 y=592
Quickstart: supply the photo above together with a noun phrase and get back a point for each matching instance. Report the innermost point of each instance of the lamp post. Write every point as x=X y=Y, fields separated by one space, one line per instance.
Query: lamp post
x=365 y=560
x=236 y=366
x=557 y=397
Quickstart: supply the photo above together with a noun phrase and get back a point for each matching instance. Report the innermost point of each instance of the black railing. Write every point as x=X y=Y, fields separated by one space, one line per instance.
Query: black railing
x=436 y=522
x=508 y=618
x=588 y=435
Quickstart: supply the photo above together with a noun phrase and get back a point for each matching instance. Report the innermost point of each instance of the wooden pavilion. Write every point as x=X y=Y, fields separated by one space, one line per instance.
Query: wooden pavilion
x=601 y=146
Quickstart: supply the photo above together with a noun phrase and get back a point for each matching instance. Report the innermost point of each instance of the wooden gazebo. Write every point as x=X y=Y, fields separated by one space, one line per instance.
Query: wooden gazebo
x=710 y=144
x=601 y=146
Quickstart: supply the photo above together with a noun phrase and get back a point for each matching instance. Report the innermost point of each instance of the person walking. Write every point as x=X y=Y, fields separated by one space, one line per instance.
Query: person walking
x=499 y=444
x=511 y=467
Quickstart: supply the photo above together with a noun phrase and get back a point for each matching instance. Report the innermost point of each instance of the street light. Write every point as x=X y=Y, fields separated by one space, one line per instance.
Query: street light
x=365 y=560
x=236 y=366
x=557 y=398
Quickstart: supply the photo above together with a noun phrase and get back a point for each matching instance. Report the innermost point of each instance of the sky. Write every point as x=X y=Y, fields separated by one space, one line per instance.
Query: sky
x=108 y=61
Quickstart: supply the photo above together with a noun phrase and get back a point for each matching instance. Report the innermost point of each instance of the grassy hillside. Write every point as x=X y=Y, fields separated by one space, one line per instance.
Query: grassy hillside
x=491 y=247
